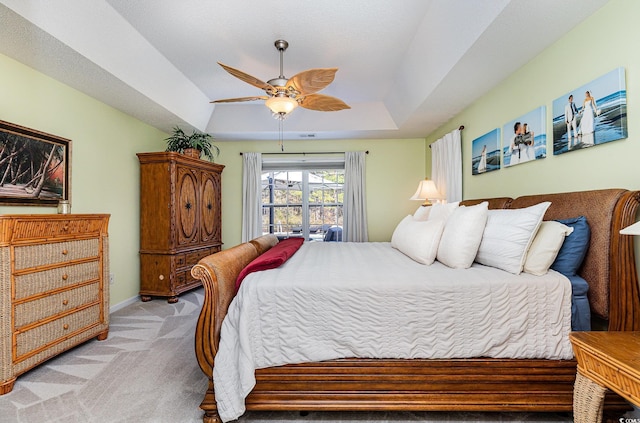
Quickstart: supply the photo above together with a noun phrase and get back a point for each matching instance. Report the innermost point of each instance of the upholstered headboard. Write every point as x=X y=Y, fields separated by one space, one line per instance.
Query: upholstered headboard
x=609 y=267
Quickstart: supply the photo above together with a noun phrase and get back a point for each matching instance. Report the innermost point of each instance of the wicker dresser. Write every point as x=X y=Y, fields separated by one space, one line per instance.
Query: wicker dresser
x=54 y=290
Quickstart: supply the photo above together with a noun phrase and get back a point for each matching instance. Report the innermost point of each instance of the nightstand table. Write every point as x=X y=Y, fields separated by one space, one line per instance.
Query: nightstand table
x=605 y=360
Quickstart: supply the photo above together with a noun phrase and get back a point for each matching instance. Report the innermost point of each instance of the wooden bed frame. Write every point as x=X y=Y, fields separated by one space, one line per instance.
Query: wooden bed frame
x=479 y=384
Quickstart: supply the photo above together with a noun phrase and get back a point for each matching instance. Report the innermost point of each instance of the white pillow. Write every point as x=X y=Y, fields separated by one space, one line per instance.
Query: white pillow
x=442 y=211
x=422 y=213
x=545 y=246
x=462 y=236
x=418 y=239
x=508 y=235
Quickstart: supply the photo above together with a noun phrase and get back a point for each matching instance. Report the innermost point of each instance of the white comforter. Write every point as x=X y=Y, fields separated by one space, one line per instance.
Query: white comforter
x=339 y=300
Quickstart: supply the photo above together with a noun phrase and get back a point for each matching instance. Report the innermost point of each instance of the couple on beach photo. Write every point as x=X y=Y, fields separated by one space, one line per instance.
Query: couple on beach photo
x=522 y=144
x=524 y=138
x=584 y=132
x=597 y=118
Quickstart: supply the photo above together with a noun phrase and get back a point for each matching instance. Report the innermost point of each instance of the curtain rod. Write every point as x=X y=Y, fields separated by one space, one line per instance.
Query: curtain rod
x=459 y=129
x=312 y=152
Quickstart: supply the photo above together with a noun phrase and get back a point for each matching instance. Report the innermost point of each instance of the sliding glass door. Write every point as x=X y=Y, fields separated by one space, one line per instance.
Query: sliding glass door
x=303 y=203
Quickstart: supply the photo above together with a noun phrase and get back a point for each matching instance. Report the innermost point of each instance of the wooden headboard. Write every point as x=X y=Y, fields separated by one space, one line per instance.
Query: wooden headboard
x=609 y=267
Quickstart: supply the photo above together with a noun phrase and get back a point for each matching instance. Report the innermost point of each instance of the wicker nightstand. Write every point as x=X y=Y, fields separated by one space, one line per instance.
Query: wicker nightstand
x=605 y=360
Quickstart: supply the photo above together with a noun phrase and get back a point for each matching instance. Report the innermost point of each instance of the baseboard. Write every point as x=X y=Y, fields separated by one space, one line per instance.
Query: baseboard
x=123 y=304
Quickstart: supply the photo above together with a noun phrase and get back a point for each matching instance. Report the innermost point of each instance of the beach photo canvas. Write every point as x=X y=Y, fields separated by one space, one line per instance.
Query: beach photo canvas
x=592 y=114
x=524 y=139
x=486 y=153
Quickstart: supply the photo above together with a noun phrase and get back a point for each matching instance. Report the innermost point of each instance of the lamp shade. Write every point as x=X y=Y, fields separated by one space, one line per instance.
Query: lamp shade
x=282 y=105
x=631 y=230
x=427 y=191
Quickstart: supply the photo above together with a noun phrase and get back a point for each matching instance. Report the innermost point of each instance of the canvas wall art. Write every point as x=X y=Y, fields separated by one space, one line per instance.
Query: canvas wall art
x=525 y=139
x=34 y=166
x=486 y=153
x=592 y=114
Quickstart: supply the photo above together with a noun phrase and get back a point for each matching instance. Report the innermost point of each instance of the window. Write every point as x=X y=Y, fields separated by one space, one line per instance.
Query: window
x=303 y=202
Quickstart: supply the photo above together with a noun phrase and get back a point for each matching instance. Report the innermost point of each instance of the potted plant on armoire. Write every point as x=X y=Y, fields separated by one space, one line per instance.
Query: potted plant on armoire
x=194 y=145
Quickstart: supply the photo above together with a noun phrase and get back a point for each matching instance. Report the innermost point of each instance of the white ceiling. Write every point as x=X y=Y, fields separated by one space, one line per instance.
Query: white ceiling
x=405 y=66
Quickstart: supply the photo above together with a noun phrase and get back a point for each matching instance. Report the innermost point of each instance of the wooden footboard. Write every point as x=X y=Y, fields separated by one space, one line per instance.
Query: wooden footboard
x=438 y=385
x=421 y=385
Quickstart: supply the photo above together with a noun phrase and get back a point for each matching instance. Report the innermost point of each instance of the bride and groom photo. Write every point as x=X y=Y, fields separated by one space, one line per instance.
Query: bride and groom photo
x=524 y=138
x=593 y=114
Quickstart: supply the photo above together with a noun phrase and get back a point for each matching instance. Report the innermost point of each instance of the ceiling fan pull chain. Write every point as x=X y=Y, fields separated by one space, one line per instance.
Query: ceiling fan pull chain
x=280 y=134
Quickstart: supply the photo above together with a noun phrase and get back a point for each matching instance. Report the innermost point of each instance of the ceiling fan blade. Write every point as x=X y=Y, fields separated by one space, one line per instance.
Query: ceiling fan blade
x=312 y=80
x=234 y=100
x=323 y=103
x=247 y=78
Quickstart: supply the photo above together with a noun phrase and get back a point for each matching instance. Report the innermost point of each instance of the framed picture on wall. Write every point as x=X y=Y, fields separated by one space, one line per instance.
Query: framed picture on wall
x=592 y=114
x=34 y=166
x=486 y=153
x=524 y=139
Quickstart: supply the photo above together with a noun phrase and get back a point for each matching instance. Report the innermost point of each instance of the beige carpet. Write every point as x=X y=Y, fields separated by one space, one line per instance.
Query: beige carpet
x=146 y=371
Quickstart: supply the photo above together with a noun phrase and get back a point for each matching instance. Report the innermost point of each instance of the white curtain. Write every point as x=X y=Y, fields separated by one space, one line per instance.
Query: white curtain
x=251 y=190
x=446 y=166
x=355 y=202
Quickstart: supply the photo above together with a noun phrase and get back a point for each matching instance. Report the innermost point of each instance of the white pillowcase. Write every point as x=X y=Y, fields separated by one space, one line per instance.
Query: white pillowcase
x=462 y=236
x=545 y=246
x=418 y=239
x=422 y=213
x=508 y=235
x=442 y=211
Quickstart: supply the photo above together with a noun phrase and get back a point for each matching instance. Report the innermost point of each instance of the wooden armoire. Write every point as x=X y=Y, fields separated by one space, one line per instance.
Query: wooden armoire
x=180 y=221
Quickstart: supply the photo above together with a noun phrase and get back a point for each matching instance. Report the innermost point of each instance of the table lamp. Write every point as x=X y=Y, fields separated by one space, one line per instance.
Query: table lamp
x=427 y=191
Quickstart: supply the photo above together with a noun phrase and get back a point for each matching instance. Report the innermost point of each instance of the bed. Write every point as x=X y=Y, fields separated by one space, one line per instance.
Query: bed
x=433 y=384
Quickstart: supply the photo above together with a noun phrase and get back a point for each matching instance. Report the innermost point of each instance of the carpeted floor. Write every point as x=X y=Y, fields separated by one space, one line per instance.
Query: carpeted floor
x=146 y=371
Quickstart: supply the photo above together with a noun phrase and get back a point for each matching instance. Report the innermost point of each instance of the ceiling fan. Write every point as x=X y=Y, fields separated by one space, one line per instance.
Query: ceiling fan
x=284 y=95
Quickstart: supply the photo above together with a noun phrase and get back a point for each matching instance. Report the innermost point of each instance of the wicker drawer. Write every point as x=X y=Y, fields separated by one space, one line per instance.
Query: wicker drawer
x=55 y=331
x=47 y=228
x=30 y=284
x=36 y=310
x=58 y=252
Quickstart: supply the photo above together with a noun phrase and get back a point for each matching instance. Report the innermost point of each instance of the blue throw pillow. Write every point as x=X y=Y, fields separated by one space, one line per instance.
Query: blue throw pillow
x=574 y=248
x=580 y=310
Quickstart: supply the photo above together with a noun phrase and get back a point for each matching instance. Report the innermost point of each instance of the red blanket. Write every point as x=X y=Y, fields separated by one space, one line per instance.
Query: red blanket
x=272 y=258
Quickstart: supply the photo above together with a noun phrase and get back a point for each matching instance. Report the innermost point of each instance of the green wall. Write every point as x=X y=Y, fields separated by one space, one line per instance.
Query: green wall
x=394 y=168
x=104 y=166
x=605 y=41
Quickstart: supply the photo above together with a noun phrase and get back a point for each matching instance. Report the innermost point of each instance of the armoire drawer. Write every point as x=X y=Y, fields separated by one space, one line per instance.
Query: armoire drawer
x=39 y=309
x=195 y=256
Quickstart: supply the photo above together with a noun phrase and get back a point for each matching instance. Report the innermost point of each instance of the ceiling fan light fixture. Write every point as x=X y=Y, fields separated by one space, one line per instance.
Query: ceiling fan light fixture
x=281 y=105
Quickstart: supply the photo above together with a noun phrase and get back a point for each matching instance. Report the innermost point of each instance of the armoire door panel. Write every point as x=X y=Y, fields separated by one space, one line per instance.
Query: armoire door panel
x=187 y=209
x=210 y=207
